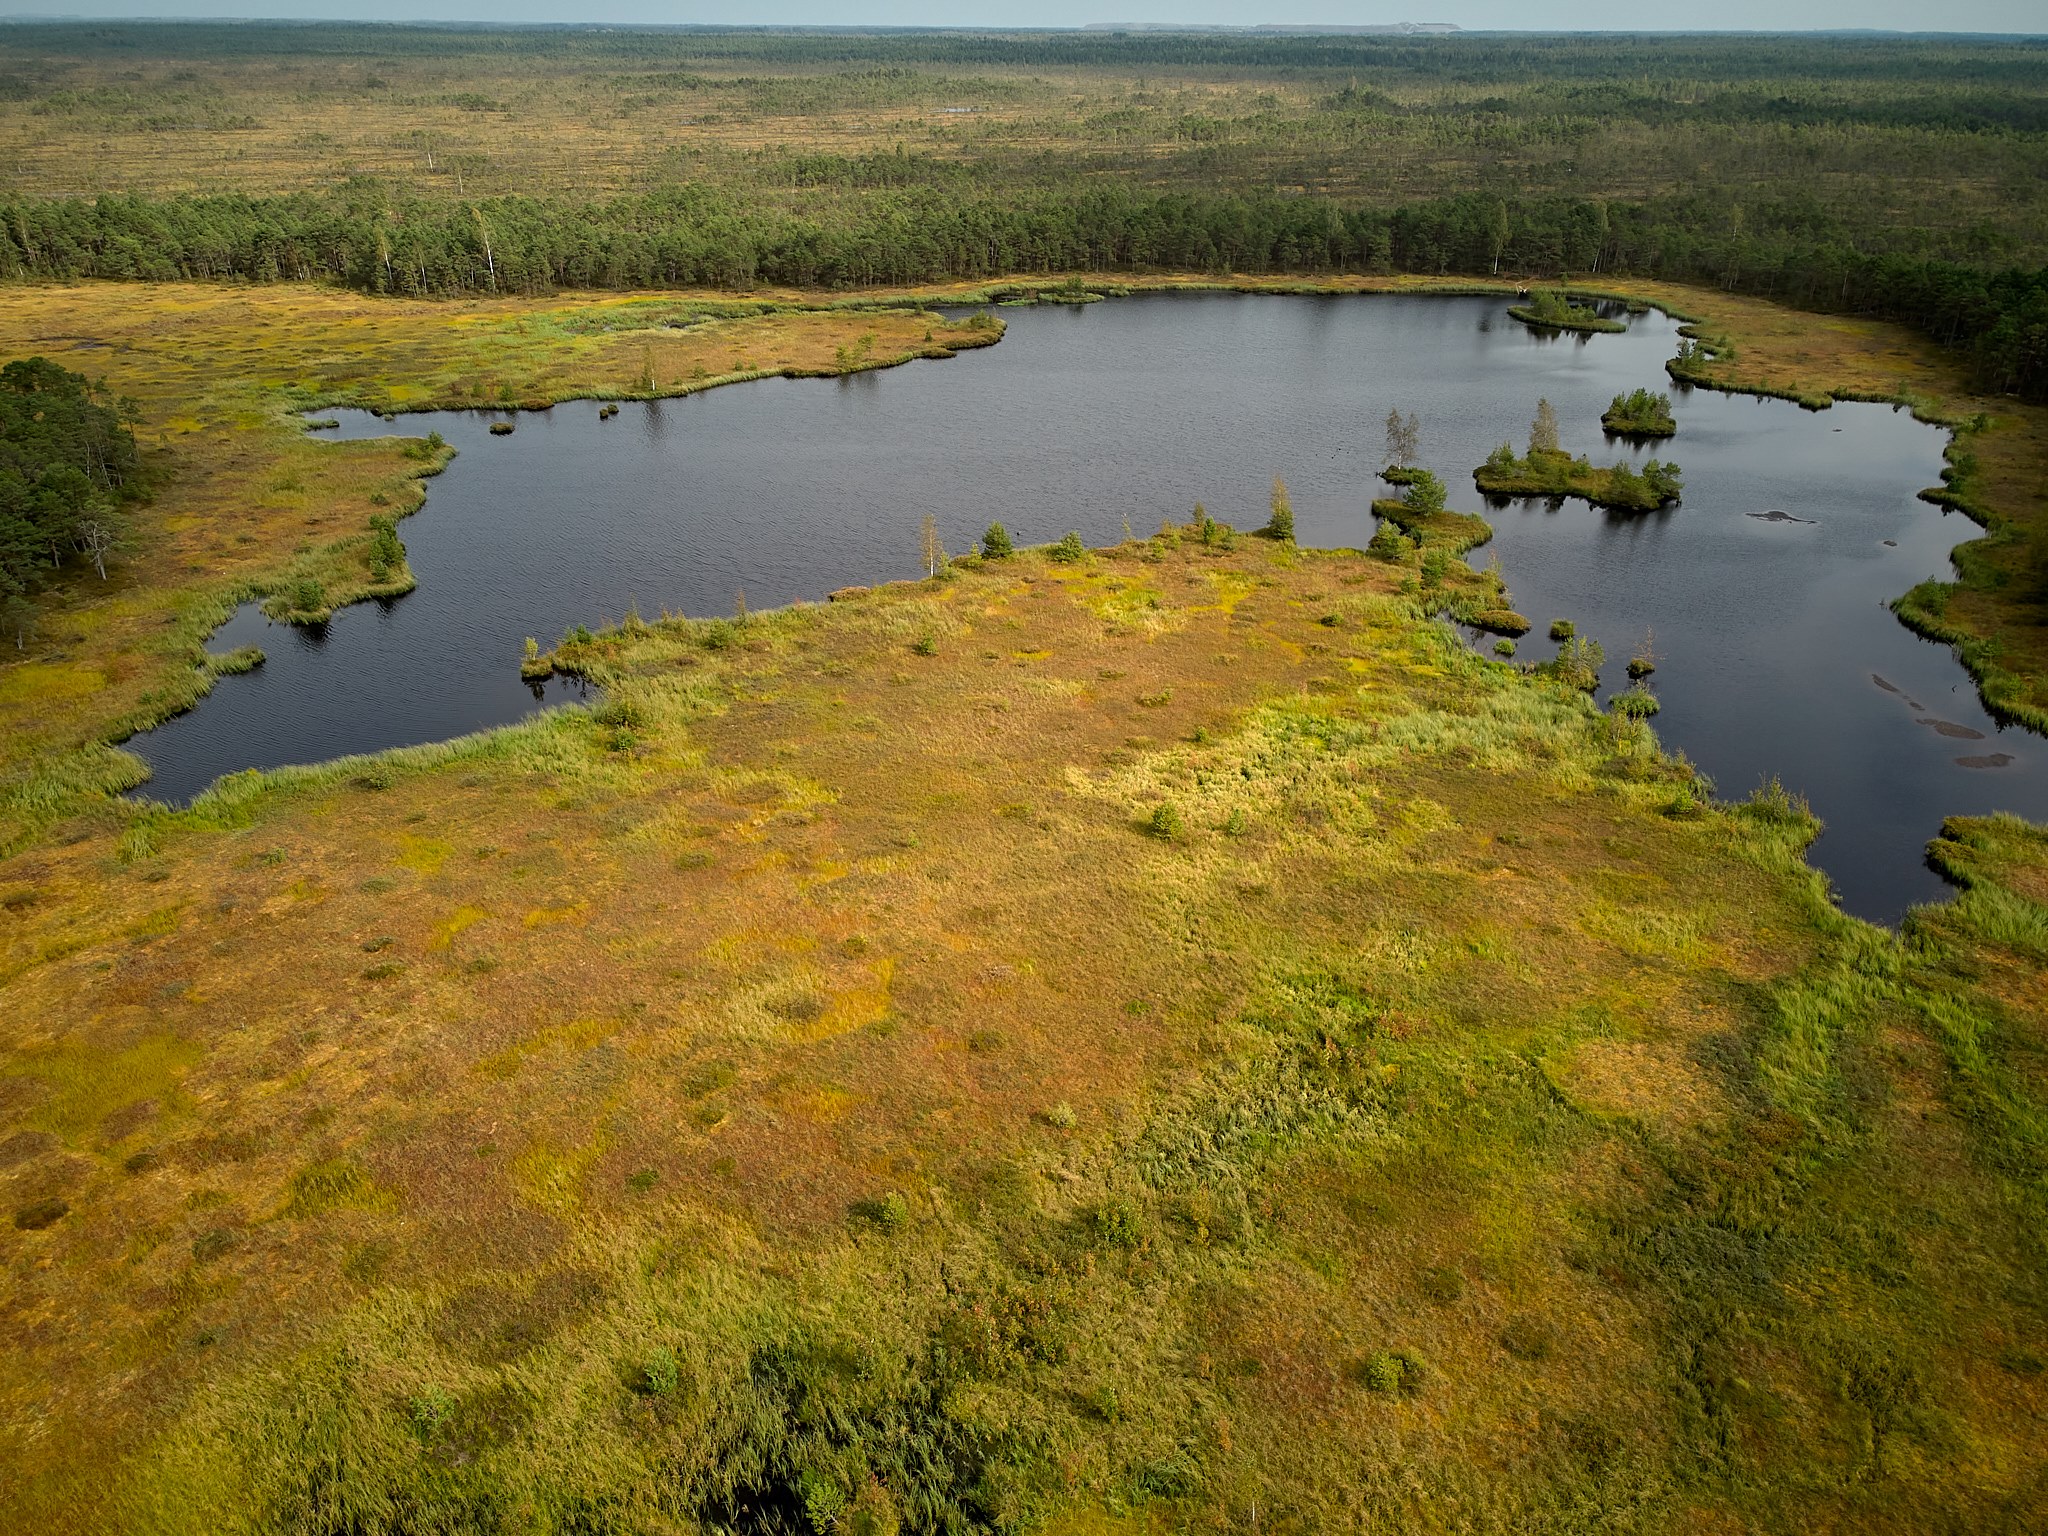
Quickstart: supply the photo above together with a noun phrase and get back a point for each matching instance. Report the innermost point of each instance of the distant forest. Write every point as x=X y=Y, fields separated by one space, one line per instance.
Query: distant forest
x=695 y=237
x=1906 y=178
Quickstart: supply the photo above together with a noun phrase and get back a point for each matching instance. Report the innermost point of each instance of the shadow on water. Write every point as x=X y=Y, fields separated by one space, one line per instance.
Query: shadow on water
x=1776 y=653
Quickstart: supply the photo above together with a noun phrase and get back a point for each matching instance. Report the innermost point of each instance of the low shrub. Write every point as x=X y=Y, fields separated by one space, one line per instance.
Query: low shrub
x=1770 y=802
x=660 y=1375
x=1116 y=1223
x=1636 y=704
x=38 y=1214
x=431 y=1410
x=886 y=1213
x=1391 y=1372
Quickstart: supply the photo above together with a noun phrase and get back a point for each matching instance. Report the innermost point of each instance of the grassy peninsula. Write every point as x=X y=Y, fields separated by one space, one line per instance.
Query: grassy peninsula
x=248 y=504
x=1418 y=522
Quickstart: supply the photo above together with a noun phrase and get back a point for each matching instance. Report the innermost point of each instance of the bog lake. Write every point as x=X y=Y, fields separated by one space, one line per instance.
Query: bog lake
x=1777 y=655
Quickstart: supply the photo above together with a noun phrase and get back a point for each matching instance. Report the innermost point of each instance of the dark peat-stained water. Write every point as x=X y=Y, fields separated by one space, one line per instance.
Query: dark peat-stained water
x=1776 y=653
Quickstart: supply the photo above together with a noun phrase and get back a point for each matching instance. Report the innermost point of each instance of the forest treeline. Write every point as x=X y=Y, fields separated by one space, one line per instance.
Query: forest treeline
x=373 y=238
x=66 y=464
x=1461 y=60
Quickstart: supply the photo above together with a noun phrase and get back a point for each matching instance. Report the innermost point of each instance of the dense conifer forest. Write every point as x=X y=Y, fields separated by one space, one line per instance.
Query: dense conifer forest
x=1901 y=179
x=66 y=463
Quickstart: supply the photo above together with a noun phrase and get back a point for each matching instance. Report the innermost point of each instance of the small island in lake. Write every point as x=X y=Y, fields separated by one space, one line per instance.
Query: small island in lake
x=1640 y=415
x=1547 y=470
x=1549 y=309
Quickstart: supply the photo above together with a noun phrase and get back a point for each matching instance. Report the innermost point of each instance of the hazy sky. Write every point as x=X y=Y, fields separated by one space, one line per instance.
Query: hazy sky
x=1520 y=15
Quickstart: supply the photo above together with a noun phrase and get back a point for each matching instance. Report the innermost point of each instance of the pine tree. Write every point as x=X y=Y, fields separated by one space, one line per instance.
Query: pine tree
x=1281 y=524
x=1543 y=430
x=1425 y=496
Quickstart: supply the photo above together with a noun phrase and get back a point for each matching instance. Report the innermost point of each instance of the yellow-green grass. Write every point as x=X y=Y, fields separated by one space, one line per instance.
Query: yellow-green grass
x=811 y=1080
x=1444 y=984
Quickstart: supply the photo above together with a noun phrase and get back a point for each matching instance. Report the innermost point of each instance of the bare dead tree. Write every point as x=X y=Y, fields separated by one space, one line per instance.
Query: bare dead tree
x=484 y=230
x=98 y=537
x=1403 y=438
x=18 y=614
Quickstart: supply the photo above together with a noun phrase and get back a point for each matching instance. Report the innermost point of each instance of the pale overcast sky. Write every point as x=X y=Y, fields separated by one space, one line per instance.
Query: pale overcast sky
x=1519 y=15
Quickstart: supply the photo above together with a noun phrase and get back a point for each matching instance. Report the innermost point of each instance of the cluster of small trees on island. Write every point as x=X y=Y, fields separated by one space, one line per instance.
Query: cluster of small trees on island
x=1551 y=310
x=67 y=465
x=1640 y=414
x=1547 y=470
